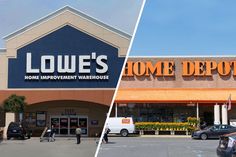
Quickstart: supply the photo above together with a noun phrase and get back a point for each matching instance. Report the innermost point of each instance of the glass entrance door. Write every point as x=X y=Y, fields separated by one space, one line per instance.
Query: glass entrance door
x=66 y=125
x=73 y=125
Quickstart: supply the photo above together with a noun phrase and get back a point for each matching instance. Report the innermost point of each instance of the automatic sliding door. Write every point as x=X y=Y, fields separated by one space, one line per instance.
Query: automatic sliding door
x=73 y=125
x=64 y=126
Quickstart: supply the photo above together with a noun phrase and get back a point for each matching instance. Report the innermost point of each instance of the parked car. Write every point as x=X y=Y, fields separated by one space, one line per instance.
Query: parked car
x=17 y=130
x=213 y=132
x=121 y=125
x=227 y=146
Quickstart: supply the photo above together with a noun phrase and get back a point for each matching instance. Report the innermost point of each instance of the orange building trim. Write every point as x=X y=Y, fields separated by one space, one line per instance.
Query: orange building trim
x=183 y=95
x=102 y=97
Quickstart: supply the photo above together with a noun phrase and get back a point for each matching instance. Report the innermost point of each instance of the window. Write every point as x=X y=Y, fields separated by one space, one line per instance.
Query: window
x=216 y=127
x=224 y=127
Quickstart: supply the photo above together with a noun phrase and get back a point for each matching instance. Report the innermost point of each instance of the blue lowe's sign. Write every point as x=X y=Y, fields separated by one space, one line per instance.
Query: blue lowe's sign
x=66 y=58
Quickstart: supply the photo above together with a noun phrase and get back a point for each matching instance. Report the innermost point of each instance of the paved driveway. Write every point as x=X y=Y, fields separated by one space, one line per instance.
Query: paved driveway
x=62 y=147
x=158 y=147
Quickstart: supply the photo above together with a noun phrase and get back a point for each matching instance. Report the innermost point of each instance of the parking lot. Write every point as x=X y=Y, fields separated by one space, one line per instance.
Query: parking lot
x=60 y=148
x=158 y=147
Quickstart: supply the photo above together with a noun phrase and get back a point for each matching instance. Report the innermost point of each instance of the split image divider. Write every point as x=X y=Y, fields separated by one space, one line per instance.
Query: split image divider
x=118 y=83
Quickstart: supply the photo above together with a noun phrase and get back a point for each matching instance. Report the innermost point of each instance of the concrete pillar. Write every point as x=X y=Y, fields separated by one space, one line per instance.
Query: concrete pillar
x=20 y=117
x=197 y=110
x=156 y=132
x=224 y=111
x=216 y=114
x=10 y=117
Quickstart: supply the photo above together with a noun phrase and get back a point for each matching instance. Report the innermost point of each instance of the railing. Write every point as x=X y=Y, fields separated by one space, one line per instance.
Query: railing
x=164 y=132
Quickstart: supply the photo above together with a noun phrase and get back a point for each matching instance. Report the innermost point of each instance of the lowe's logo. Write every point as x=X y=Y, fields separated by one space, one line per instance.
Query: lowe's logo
x=65 y=58
x=66 y=64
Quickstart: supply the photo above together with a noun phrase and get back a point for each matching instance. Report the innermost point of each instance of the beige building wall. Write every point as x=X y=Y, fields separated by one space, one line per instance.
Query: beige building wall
x=3 y=70
x=10 y=117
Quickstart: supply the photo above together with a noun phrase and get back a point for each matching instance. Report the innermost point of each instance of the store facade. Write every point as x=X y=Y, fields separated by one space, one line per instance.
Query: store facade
x=67 y=66
x=171 y=89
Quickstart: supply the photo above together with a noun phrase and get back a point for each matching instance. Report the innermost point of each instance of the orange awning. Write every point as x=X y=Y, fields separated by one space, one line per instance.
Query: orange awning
x=143 y=95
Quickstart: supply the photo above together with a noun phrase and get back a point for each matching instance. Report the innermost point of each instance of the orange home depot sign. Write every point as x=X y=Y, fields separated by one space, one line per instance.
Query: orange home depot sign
x=205 y=68
x=139 y=68
x=189 y=68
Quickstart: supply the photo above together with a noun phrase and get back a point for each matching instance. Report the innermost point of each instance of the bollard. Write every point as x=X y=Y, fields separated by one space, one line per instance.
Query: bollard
x=157 y=132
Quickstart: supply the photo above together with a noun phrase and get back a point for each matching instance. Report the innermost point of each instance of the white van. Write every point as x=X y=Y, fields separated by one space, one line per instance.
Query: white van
x=121 y=125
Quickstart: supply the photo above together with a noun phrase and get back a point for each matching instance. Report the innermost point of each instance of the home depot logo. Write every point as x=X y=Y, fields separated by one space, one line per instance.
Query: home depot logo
x=189 y=68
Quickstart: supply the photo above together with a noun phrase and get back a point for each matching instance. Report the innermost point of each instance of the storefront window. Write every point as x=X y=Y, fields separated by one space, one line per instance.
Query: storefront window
x=157 y=112
x=30 y=118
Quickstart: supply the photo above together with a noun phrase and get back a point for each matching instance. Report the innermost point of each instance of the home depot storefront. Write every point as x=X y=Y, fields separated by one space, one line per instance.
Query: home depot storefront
x=67 y=66
x=170 y=89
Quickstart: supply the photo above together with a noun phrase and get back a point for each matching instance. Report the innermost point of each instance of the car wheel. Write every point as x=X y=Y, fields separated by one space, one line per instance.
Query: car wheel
x=203 y=136
x=124 y=133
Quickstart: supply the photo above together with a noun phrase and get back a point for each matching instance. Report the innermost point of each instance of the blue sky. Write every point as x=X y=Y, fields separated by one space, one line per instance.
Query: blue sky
x=15 y=14
x=167 y=27
x=184 y=27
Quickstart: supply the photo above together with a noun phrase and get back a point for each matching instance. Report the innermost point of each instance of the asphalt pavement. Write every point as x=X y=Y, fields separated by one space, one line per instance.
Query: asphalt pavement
x=62 y=147
x=158 y=147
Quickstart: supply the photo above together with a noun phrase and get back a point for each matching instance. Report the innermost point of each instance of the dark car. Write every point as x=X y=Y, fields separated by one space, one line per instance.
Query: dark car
x=17 y=130
x=227 y=146
x=213 y=132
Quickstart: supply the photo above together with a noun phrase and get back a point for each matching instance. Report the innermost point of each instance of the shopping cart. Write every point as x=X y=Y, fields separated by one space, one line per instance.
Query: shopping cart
x=46 y=135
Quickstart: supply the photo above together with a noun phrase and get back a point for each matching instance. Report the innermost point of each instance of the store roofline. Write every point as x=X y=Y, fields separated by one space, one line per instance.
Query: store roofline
x=175 y=95
x=204 y=102
x=73 y=10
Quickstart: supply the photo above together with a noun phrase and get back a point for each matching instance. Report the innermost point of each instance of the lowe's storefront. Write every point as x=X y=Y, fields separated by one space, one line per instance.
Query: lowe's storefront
x=67 y=66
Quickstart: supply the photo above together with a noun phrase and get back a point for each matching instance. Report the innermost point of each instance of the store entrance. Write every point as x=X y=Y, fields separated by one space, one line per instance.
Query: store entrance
x=66 y=125
x=208 y=117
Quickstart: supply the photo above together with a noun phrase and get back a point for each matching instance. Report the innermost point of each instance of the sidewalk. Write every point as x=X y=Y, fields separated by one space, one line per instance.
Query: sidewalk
x=63 y=146
x=71 y=138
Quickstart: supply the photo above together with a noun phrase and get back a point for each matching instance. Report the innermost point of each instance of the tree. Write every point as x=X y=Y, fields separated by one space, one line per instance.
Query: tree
x=14 y=104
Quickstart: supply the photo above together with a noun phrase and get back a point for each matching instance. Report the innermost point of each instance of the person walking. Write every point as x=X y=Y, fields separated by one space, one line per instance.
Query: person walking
x=78 y=134
x=52 y=134
x=105 y=137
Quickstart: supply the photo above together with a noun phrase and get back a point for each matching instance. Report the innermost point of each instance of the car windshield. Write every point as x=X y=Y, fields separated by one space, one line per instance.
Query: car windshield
x=14 y=125
x=215 y=127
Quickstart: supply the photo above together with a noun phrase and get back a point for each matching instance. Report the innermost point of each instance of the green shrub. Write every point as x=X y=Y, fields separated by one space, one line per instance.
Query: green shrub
x=165 y=126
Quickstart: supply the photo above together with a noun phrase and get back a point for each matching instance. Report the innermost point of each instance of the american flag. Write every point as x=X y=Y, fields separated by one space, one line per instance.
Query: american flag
x=229 y=103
